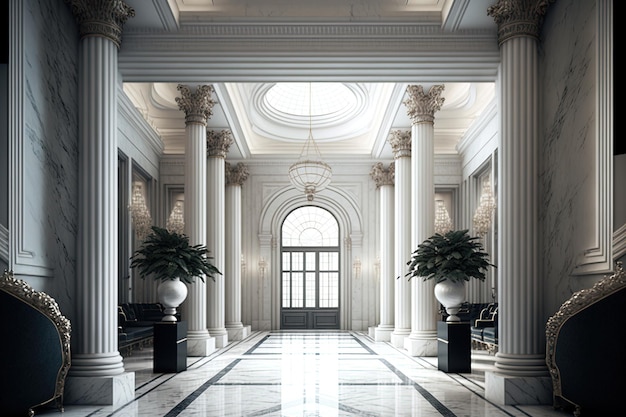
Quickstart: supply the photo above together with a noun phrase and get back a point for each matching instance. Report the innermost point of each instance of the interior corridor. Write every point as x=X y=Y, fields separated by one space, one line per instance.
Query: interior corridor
x=289 y=373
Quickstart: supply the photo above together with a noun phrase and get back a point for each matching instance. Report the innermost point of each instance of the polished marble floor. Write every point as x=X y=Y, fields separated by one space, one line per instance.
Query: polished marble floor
x=308 y=374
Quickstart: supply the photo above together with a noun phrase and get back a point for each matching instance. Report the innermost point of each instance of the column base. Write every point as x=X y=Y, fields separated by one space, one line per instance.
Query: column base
x=221 y=340
x=397 y=338
x=200 y=347
x=238 y=333
x=382 y=334
x=100 y=390
x=421 y=347
x=511 y=390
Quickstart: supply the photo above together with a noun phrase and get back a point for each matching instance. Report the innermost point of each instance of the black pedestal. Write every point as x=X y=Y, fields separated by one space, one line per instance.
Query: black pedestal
x=170 y=346
x=454 y=346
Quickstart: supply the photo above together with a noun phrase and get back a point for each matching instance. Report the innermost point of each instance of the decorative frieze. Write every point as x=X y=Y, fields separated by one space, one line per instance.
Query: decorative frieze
x=518 y=17
x=104 y=18
x=237 y=174
x=421 y=106
x=218 y=142
x=400 y=141
x=197 y=104
x=382 y=176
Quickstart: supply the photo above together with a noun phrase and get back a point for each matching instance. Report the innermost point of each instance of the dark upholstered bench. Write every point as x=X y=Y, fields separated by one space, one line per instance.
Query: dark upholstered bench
x=484 y=330
x=136 y=325
x=35 y=354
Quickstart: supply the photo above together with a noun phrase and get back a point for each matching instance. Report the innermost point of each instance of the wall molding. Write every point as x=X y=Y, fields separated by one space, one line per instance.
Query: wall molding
x=599 y=258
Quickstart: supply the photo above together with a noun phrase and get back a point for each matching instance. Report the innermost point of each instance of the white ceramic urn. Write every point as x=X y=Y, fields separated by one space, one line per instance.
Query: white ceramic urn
x=171 y=293
x=450 y=294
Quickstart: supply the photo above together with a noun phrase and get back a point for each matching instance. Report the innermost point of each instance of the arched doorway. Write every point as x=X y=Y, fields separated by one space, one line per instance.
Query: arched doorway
x=310 y=270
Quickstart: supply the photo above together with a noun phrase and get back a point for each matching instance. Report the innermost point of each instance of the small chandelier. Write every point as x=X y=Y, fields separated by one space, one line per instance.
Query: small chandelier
x=310 y=173
x=443 y=223
x=176 y=222
x=484 y=212
x=142 y=220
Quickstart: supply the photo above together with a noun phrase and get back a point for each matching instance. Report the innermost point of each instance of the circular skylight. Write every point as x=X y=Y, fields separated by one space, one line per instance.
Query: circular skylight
x=315 y=99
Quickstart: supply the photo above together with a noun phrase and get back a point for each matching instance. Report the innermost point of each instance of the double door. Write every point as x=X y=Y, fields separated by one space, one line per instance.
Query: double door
x=310 y=289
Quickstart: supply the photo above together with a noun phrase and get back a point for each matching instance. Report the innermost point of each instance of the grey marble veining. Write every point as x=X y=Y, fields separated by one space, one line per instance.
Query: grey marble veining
x=50 y=147
x=307 y=374
x=567 y=170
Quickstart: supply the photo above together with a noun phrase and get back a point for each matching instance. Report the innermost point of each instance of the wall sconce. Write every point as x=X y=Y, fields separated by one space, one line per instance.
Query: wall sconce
x=356 y=267
x=443 y=223
x=377 y=268
x=484 y=212
x=142 y=220
x=262 y=267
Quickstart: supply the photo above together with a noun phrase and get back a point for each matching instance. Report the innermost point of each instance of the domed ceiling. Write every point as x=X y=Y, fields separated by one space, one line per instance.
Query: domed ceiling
x=272 y=120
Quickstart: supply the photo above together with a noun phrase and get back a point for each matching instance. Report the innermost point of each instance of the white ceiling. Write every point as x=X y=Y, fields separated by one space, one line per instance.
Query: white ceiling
x=239 y=106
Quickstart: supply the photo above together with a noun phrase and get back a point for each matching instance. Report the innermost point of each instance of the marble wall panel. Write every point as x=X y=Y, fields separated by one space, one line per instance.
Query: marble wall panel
x=49 y=190
x=567 y=150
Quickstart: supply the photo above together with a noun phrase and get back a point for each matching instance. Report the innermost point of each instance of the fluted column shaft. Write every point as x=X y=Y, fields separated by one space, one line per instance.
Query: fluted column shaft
x=235 y=177
x=218 y=144
x=421 y=108
x=384 y=179
x=197 y=105
x=521 y=374
x=520 y=346
x=96 y=348
x=95 y=355
x=400 y=142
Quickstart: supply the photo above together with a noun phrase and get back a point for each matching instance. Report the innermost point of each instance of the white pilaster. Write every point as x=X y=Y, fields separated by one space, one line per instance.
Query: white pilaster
x=400 y=142
x=384 y=179
x=96 y=362
x=421 y=107
x=197 y=104
x=235 y=176
x=521 y=375
x=218 y=144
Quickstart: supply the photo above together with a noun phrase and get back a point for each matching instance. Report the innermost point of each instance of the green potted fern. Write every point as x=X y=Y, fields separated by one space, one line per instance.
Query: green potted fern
x=451 y=259
x=168 y=257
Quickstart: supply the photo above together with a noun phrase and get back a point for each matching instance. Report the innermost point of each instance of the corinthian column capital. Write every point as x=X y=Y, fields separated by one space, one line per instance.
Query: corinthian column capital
x=400 y=141
x=218 y=142
x=382 y=176
x=103 y=18
x=236 y=175
x=197 y=105
x=421 y=106
x=518 y=17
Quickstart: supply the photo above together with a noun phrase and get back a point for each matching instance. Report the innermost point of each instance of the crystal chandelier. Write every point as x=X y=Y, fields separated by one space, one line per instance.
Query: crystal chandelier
x=484 y=212
x=443 y=223
x=310 y=173
x=142 y=220
x=176 y=222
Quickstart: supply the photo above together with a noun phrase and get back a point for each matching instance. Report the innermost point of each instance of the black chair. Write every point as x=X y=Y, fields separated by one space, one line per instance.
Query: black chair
x=586 y=349
x=35 y=352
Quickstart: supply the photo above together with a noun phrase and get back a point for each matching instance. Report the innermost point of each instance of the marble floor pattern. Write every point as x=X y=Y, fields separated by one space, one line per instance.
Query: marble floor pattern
x=307 y=374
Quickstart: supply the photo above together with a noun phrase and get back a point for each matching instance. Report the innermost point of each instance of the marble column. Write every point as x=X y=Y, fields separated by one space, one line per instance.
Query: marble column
x=400 y=142
x=97 y=375
x=521 y=375
x=384 y=179
x=235 y=177
x=197 y=104
x=218 y=143
x=421 y=108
